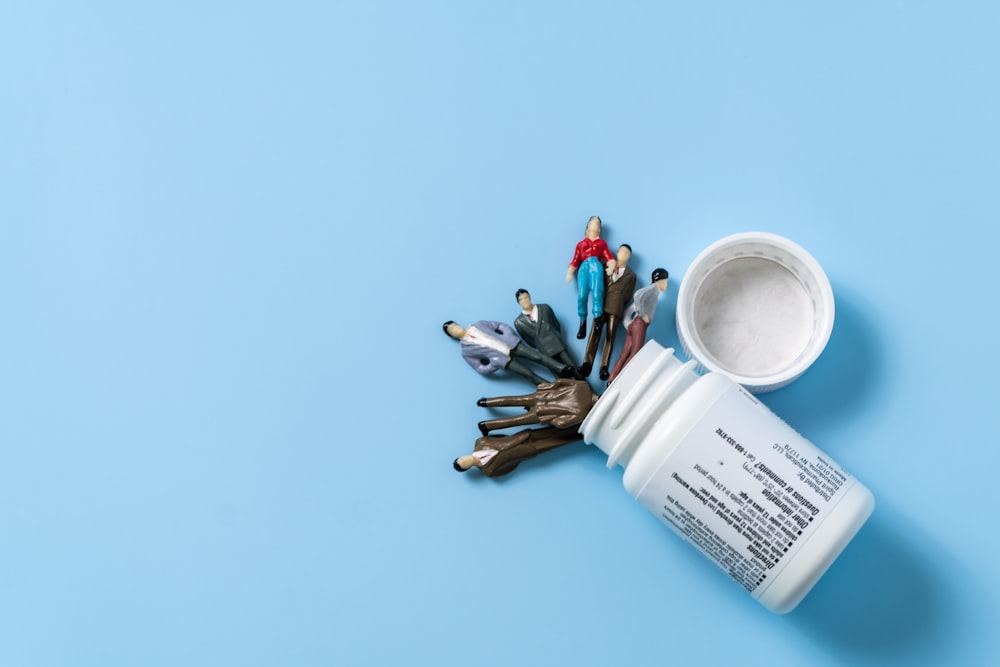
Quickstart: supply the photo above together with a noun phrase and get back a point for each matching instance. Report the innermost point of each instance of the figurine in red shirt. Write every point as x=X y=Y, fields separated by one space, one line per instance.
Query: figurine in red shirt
x=591 y=255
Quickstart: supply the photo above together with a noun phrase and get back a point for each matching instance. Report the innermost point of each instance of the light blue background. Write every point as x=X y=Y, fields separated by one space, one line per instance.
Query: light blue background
x=230 y=232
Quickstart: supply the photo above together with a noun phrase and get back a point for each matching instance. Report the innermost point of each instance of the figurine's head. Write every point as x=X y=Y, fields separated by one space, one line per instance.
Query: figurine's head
x=660 y=278
x=594 y=227
x=456 y=331
x=523 y=299
x=624 y=254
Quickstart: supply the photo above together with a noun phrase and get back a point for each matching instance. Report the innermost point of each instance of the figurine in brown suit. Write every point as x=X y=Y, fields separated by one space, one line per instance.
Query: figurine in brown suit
x=563 y=405
x=497 y=455
x=618 y=289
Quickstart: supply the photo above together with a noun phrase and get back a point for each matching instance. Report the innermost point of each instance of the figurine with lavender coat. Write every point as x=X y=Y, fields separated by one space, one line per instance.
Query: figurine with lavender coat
x=489 y=346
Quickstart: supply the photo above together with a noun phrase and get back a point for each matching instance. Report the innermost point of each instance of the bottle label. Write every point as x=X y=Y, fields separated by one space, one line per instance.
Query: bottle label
x=745 y=489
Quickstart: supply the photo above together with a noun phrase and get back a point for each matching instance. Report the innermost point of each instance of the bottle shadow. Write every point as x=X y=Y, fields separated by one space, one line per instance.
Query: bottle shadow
x=845 y=377
x=883 y=601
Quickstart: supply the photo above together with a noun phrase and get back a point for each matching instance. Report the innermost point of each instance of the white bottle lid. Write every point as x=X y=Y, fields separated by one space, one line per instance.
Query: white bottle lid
x=756 y=307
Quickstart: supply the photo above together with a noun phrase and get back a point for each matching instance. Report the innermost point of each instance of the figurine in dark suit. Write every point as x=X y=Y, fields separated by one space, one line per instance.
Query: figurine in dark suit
x=618 y=288
x=538 y=327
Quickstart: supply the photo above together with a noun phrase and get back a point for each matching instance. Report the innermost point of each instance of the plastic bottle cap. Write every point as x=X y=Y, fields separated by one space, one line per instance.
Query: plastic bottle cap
x=756 y=307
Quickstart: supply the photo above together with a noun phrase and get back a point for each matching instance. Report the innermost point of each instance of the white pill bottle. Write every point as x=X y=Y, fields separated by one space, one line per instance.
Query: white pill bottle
x=730 y=477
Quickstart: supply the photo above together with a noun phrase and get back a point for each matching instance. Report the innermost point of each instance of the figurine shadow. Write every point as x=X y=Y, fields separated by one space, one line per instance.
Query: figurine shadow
x=884 y=602
x=663 y=328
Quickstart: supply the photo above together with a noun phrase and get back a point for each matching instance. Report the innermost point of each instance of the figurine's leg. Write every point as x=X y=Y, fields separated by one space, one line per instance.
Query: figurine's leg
x=582 y=289
x=597 y=286
x=522 y=370
x=521 y=401
x=522 y=350
x=506 y=422
x=635 y=337
x=592 y=342
x=609 y=342
x=564 y=358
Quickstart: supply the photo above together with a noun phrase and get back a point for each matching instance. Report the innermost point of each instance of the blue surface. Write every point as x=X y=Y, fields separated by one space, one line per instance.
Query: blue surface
x=229 y=234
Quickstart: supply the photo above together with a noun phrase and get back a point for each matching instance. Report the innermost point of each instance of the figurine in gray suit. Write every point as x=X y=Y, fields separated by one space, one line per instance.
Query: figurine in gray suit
x=538 y=327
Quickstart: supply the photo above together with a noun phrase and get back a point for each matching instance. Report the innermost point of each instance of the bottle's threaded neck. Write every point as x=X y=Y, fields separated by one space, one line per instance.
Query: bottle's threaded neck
x=623 y=415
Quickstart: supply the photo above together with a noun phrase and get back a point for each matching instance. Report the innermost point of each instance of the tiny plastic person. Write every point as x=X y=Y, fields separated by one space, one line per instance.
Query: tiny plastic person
x=589 y=259
x=638 y=317
x=562 y=403
x=497 y=455
x=490 y=346
x=538 y=327
x=618 y=288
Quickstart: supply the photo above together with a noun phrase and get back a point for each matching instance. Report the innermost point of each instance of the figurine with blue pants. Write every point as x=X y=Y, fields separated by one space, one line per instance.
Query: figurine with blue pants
x=591 y=258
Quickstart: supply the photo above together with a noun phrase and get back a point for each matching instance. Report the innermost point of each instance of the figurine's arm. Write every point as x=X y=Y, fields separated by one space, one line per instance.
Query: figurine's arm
x=502 y=328
x=485 y=360
x=575 y=262
x=606 y=253
x=492 y=325
x=550 y=315
x=505 y=332
x=629 y=288
x=645 y=303
x=522 y=329
x=608 y=258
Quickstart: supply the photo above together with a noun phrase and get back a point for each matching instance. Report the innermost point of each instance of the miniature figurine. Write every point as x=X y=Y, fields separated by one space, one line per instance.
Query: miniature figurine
x=561 y=403
x=638 y=317
x=497 y=455
x=589 y=256
x=488 y=346
x=618 y=289
x=540 y=329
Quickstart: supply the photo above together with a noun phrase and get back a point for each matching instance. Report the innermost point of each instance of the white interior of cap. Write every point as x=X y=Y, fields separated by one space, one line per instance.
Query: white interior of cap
x=754 y=316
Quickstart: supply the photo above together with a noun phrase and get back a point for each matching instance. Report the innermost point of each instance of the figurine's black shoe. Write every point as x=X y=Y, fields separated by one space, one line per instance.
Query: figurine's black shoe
x=483 y=429
x=582 y=332
x=481 y=402
x=457 y=467
x=585 y=369
x=605 y=374
x=567 y=372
